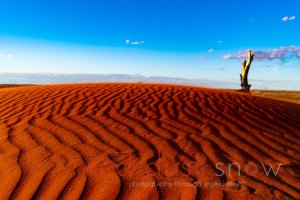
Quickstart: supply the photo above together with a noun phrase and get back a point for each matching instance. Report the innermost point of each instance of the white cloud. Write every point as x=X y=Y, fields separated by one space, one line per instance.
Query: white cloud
x=220 y=41
x=286 y=18
x=210 y=50
x=137 y=42
x=292 y=18
x=281 y=53
x=129 y=42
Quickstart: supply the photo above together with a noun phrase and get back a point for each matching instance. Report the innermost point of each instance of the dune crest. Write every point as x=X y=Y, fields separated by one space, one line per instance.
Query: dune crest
x=146 y=141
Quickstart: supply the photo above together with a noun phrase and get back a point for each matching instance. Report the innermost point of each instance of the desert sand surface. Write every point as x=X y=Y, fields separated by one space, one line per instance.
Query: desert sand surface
x=291 y=96
x=146 y=141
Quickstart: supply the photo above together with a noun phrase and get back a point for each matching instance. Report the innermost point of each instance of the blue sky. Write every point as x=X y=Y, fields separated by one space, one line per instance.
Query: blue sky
x=168 y=38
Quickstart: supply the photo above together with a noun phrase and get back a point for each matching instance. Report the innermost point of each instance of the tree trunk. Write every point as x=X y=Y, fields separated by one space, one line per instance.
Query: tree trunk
x=245 y=70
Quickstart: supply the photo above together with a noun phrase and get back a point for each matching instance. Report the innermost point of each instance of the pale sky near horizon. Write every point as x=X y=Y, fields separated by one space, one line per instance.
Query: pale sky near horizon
x=189 y=39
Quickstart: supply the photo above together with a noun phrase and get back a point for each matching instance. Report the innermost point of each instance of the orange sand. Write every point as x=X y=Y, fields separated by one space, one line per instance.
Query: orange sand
x=145 y=141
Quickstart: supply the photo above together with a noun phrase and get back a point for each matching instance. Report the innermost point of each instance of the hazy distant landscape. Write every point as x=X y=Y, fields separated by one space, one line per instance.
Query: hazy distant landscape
x=261 y=89
x=52 y=78
x=55 y=78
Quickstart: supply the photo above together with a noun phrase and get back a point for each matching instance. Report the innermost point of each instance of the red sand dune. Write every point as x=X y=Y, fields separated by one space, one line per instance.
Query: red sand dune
x=146 y=141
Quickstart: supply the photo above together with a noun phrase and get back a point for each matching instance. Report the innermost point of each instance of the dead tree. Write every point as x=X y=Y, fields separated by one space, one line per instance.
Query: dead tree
x=245 y=69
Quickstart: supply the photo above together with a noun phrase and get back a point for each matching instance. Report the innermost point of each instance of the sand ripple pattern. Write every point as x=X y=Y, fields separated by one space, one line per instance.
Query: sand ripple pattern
x=125 y=141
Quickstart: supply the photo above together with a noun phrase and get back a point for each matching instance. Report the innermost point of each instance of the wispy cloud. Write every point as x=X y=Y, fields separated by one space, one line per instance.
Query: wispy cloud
x=282 y=53
x=6 y=56
x=137 y=42
x=210 y=50
x=228 y=56
x=286 y=18
x=199 y=57
x=129 y=42
x=9 y=56
x=220 y=41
